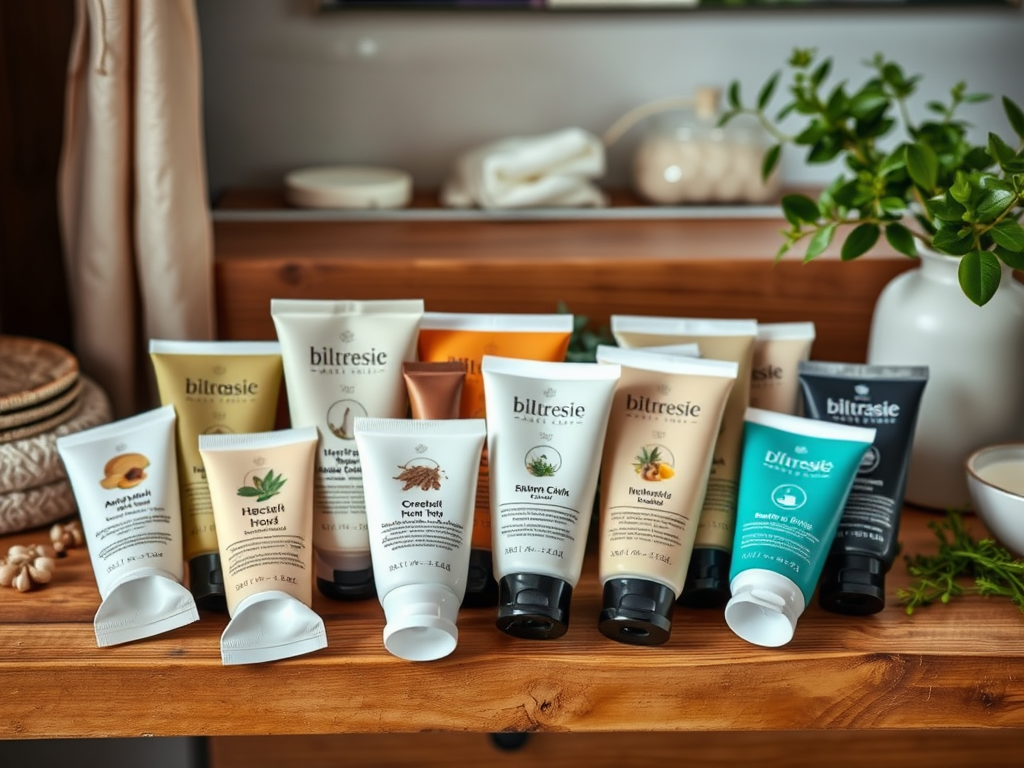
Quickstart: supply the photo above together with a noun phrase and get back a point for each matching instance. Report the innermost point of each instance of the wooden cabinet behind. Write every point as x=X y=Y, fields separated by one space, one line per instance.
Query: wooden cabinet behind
x=672 y=267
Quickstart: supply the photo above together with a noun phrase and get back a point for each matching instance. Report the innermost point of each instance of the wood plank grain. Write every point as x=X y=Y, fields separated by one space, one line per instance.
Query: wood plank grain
x=837 y=749
x=692 y=268
x=960 y=665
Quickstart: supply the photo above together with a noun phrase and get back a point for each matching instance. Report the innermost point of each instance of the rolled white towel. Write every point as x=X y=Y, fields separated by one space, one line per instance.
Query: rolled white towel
x=552 y=169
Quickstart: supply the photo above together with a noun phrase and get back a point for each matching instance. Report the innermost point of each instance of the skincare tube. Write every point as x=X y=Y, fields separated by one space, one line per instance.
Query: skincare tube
x=732 y=340
x=797 y=473
x=262 y=489
x=343 y=360
x=467 y=337
x=546 y=424
x=125 y=482
x=216 y=387
x=435 y=389
x=778 y=350
x=884 y=397
x=420 y=482
x=657 y=456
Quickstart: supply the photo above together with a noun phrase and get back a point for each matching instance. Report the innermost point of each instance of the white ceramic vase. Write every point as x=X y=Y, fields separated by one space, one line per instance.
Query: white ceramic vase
x=975 y=356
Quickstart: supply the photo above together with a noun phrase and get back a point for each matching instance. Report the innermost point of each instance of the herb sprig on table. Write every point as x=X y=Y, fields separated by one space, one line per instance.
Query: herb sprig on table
x=963 y=565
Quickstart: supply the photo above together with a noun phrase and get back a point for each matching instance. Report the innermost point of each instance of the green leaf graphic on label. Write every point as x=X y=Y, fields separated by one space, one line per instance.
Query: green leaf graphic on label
x=263 y=488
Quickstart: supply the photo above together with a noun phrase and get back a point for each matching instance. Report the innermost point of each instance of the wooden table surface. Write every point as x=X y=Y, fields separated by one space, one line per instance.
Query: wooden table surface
x=959 y=665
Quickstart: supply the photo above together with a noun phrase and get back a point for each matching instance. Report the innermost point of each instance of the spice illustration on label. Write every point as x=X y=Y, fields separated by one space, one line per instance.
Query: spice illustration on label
x=654 y=463
x=543 y=461
x=422 y=473
x=263 y=488
x=341 y=418
x=125 y=470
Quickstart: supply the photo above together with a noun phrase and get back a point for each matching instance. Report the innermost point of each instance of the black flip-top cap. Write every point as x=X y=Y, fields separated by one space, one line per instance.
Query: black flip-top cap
x=349 y=585
x=206 y=582
x=533 y=607
x=481 y=588
x=707 y=580
x=852 y=584
x=637 y=611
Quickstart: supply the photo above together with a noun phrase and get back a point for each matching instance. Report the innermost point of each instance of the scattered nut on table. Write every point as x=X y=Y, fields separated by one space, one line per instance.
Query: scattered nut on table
x=26 y=566
x=65 y=536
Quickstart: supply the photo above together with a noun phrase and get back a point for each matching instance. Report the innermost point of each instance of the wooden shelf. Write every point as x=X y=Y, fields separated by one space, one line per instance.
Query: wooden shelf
x=947 y=666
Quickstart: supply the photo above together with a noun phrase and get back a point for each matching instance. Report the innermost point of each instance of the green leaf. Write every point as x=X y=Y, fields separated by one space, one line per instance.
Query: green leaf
x=900 y=239
x=846 y=193
x=248 y=490
x=812 y=134
x=1015 y=115
x=766 y=92
x=824 y=151
x=923 y=166
x=799 y=208
x=820 y=241
x=961 y=189
x=734 y=95
x=893 y=206
x=1012 y=259
x=818 y=75
x=770 y=161
x=1000 y=150
x=952 y=241
x=861 y=240
x=993 y=203
x=783 y=250
x=979 y=275
x=866 y=103
x=895 y=162
x=1008 y=234
x=945 y=207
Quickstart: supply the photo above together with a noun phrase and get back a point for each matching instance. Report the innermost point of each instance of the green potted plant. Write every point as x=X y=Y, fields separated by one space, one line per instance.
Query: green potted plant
x=931 y=185
x=936 y=196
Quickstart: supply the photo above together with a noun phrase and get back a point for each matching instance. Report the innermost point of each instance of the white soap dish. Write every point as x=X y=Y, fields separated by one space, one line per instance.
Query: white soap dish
x=348 y=186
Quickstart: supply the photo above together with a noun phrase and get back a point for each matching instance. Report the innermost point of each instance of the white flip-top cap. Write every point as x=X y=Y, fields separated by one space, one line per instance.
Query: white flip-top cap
x=421 y=621
x=764 y=607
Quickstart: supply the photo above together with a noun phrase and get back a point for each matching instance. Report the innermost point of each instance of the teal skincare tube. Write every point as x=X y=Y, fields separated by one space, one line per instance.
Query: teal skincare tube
x=795 y=477
x=885 y=397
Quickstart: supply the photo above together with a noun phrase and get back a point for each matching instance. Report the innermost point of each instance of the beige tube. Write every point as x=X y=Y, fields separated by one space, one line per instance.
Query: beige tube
x=435 y=388
x=707 y=584
x=216 y=387
x=657 y=455
x=262 y=490
x=342 y=360
x=778 y=352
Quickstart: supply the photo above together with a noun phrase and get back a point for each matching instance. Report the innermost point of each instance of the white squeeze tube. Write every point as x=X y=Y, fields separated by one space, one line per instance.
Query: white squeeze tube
x=546 y=424
x=343 y=360
x=125 y=479
x=261 y=484
x=420 y=482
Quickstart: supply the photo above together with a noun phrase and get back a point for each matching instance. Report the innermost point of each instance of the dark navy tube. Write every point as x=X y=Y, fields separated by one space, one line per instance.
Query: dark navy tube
x=887 y=398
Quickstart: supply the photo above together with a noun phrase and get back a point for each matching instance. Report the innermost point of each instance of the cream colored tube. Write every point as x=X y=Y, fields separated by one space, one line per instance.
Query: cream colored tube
x=125 y=482
x=545 y=425
x=654 y=474
x=215 y=387
x=778 y=352
x=343 y=360
x=420 y=481
x=262 y=489
x=707 y=584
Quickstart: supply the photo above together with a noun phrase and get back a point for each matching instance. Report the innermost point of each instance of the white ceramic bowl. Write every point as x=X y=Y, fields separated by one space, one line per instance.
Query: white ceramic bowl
x=995 y=479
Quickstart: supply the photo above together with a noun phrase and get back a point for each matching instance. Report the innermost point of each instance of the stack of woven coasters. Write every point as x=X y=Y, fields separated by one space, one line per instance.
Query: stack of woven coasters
x=43 y=396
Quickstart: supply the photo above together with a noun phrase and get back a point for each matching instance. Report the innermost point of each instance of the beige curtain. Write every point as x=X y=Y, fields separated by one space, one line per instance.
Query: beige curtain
x=133 y=201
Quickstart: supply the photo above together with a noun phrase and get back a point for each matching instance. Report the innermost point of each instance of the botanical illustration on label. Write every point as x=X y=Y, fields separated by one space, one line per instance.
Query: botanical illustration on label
x=263 y=488
x=126 y=470
x=341 y=418
x=543 y=461
x=422 y=473
x=654 y=463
